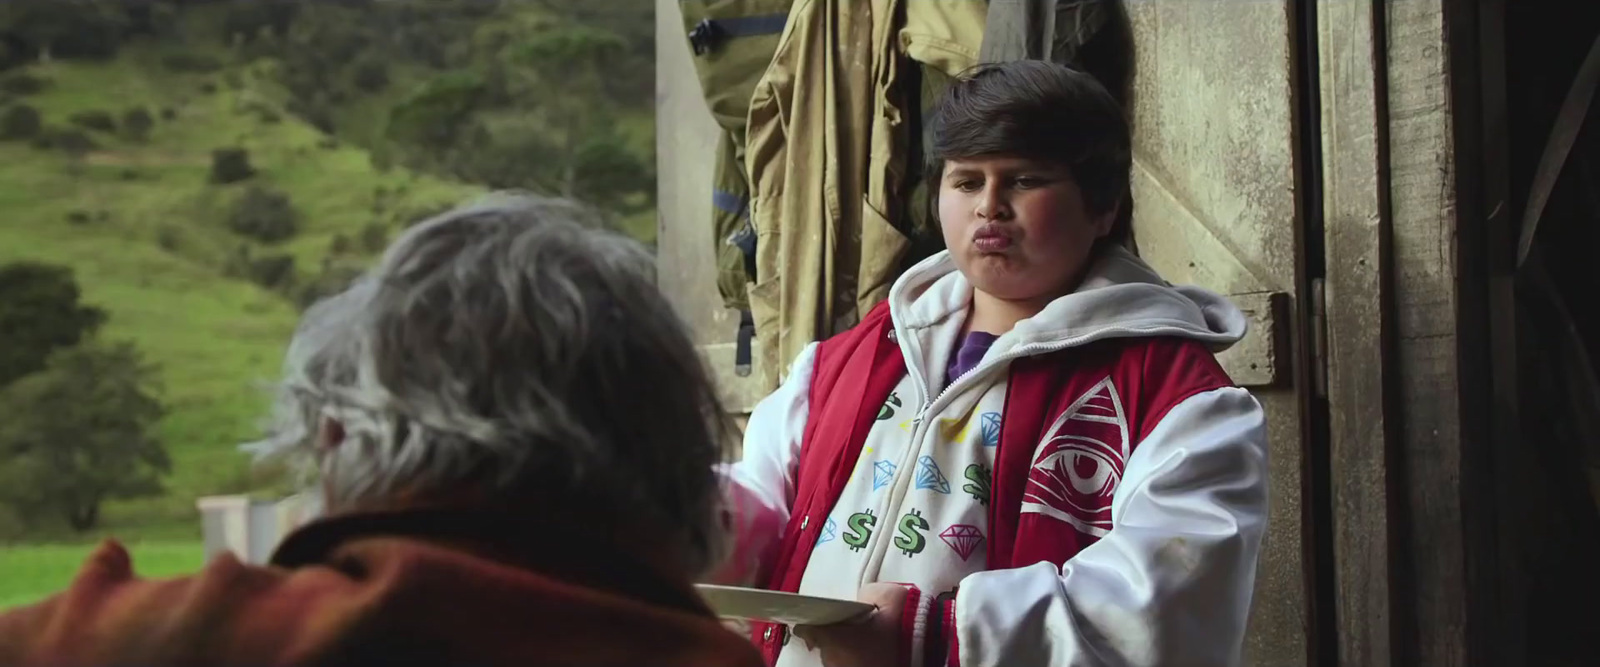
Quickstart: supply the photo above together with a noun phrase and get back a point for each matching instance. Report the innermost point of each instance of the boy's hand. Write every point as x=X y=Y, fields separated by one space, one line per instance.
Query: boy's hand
x=873 y=641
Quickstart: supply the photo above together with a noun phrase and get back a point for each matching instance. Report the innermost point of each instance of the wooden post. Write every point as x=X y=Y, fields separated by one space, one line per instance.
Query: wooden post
x=1430 y=578
x=1357 y=220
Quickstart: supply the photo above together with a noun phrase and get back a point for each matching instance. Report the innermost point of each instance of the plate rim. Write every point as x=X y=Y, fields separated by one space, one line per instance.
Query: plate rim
x=863 y=607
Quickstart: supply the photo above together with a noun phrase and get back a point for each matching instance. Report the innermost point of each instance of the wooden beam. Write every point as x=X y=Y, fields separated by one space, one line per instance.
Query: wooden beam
x=1423 y=205
x=1356 y=222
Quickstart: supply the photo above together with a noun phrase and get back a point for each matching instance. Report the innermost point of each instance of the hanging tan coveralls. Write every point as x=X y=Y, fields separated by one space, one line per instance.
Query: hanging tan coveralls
x=826 y=155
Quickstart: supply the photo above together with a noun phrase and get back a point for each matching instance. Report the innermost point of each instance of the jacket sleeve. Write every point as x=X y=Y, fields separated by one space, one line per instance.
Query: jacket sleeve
x=759 y=489
x=1170 y=583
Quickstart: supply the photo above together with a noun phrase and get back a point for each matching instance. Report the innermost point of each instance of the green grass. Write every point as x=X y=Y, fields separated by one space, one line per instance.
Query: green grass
x=34 y=572
x=217 y=341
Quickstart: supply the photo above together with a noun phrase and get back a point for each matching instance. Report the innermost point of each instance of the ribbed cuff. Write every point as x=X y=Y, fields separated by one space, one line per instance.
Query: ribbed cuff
x=942 y=644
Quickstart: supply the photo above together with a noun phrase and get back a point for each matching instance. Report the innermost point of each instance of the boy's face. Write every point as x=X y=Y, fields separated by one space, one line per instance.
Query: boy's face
x=1018 y=229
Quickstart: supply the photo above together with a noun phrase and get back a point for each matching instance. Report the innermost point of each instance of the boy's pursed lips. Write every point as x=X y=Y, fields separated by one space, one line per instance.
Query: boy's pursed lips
x=992 y=237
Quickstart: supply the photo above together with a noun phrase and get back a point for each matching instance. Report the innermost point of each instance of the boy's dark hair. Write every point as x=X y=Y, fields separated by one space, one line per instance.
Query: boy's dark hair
x=1042 y=111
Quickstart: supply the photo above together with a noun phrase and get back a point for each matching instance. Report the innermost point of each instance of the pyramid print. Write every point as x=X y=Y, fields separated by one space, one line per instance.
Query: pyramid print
x=882 y=474
x=1080 y=462
x=1099 y=404
x=929 y=476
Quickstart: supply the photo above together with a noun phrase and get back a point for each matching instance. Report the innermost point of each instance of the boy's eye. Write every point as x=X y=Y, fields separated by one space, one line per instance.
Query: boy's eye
x=968 y=185
x=1026 y=182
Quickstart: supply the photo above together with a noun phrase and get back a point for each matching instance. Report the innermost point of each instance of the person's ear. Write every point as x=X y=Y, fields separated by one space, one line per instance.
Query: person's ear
x=1104 y=222
x=330 y=434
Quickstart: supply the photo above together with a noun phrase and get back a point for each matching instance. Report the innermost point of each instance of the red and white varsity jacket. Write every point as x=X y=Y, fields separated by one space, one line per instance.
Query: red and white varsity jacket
x=1094 y=492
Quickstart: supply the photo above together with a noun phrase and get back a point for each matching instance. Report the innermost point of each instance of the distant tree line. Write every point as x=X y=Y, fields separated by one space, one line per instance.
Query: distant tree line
x=505 y=93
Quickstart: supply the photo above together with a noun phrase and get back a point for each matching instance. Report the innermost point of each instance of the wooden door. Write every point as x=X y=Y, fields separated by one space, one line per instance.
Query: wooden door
x=1216 y=185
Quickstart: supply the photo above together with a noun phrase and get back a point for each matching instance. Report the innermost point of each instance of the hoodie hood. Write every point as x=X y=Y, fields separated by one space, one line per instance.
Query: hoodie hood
x=1121 y=297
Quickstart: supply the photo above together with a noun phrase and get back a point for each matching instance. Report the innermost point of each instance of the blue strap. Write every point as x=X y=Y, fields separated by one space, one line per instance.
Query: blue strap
x=728 y=202
x=751 y=26
x=709 y=33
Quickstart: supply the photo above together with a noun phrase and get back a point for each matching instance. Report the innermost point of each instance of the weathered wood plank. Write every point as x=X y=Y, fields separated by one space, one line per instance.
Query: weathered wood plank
x=1422 y=202
x=1216 y=204
x=1356 y=221
x=1260 y=359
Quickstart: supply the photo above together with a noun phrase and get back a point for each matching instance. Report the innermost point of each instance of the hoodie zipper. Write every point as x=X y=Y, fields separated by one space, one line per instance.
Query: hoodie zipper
x=1028 y=350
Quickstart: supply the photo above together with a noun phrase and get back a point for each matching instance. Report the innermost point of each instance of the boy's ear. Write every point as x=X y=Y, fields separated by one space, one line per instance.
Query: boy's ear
x=1106 y=221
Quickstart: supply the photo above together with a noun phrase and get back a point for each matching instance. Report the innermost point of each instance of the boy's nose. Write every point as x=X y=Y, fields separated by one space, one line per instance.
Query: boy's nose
x=991 y=206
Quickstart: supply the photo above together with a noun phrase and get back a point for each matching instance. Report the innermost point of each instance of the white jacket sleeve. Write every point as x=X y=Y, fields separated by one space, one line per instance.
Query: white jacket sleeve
x=1170 y=584
x=759 y=489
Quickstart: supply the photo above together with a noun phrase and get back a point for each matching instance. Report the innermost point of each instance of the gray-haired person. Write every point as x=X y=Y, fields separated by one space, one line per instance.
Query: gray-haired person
x=513 y=442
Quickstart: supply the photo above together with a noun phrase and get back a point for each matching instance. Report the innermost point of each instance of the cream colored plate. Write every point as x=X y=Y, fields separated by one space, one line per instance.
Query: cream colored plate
x=775 y=607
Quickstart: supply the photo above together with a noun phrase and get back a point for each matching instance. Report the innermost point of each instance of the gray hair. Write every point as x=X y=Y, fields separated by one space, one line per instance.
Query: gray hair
x=510 y=350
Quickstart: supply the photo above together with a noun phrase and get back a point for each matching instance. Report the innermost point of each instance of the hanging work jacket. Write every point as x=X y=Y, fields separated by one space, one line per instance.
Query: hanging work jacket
x=826 y=155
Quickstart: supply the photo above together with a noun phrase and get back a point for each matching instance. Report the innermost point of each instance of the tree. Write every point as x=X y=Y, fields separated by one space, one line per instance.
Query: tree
x=80 y=433
x=265 y=215
x=435 y=115
x=578 y=56
x=605 y=173
x=39 y=312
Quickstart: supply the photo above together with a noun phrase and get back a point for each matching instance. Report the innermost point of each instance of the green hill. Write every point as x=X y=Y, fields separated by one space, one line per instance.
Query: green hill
x=148 y=234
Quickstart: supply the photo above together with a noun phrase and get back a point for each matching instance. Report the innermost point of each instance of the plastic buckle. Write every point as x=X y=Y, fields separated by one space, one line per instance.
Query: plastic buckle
x=705 y=36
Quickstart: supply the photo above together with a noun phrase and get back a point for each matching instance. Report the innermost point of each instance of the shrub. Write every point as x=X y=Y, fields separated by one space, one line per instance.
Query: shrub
x=74 y=142
x=264 y=215
x=95 y=120
x=273 y=271
x=137 y=123
x=20 y=122
x=230 y=165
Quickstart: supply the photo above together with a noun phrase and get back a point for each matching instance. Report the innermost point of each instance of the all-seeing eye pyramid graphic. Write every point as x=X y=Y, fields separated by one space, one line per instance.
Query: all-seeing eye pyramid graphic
x=1079 y=463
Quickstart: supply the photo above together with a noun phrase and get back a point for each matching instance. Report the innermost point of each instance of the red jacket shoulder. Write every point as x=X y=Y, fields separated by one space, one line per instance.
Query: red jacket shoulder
x=1167 y=371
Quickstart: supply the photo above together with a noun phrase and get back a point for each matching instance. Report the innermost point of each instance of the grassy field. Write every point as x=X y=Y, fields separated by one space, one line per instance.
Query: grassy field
x=153 y=249
x=34 y=572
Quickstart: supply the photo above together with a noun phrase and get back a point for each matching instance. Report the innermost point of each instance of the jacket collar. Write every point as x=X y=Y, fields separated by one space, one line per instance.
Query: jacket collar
x=565 y=549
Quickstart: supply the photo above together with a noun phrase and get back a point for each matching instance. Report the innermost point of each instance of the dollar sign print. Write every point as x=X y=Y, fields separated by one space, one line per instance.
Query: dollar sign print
x=978 y=475
x=910 y=540
x=861 y=524
x=889 y=406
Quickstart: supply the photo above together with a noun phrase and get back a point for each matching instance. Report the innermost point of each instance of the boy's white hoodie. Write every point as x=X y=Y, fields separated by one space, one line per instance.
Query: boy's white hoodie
x=1169 y=580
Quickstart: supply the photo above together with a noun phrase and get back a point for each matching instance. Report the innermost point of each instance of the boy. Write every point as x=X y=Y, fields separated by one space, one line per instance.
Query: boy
x=1028 y=455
